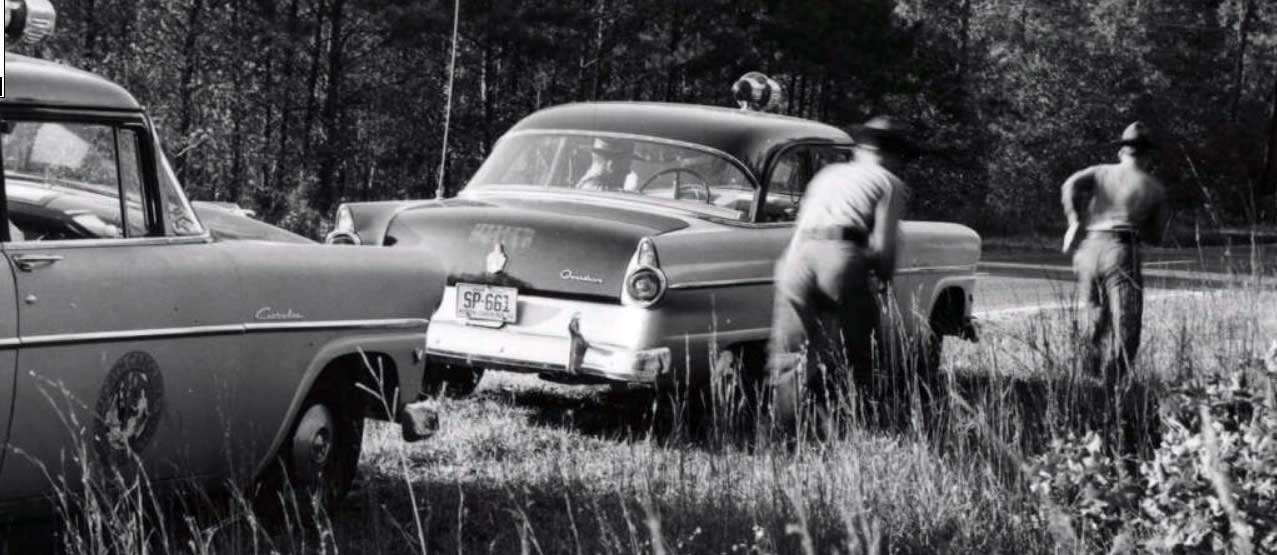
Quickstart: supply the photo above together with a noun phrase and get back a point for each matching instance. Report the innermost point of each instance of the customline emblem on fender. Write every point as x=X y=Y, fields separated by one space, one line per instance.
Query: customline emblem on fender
x=569 y=275
x=267 y=313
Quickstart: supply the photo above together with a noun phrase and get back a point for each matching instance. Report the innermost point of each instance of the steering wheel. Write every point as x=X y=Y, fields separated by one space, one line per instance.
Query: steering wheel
x=677 y=186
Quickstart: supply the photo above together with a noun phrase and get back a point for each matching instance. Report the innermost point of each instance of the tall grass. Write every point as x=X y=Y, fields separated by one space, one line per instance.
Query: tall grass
x=532 y=467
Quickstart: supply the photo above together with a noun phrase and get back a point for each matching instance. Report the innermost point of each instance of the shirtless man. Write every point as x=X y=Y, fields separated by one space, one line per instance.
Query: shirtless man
x=1110 y=209
x=847 y=229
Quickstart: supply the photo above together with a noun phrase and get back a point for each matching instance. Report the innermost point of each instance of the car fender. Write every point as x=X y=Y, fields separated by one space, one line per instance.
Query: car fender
x=372 y=219
x=405 y=349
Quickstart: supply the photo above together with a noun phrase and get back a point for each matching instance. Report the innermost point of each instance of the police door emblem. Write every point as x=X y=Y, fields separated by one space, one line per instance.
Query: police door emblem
x=128 y=409
x=497 y=259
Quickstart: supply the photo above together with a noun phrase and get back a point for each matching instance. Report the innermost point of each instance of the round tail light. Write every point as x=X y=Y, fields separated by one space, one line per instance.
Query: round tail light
x=645 y=285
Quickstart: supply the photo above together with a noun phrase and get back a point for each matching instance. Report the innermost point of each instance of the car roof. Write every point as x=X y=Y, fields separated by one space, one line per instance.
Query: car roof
x=31 y=81
x=748 y=136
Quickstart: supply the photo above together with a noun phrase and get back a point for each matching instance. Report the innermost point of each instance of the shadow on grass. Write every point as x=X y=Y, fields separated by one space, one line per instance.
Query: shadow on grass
x=1022 y=412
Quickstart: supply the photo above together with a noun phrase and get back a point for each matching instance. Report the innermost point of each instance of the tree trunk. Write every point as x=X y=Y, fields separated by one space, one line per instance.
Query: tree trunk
x=1239 y=71
x=286 y=104
x=597 y=85
x=186 y=85
x=237 y=120
x=485 y=98
x=671 y=52
x=90 y=31
x=1268 y=181
x=333 y=135
x=317 y=45
x=964 y=47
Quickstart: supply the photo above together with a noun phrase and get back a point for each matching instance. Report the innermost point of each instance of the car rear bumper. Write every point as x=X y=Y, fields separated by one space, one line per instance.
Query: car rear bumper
x=568 y=339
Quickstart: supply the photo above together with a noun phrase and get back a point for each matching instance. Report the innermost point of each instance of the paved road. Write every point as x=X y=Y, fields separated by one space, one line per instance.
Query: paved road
x=1013 y=281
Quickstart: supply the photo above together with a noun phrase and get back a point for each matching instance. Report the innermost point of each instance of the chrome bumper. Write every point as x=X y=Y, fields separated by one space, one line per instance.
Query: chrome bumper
x=569 y=338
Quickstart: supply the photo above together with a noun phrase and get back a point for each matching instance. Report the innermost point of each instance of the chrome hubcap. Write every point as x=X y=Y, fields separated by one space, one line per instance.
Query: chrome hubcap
x=313 y=443
x=319 y=446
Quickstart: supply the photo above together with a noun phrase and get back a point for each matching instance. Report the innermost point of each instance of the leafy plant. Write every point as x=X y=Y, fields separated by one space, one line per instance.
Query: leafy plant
x=1210 y=486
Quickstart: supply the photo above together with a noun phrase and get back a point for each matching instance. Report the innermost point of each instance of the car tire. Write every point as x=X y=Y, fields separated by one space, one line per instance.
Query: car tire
x=450 y=381
x=321 y=453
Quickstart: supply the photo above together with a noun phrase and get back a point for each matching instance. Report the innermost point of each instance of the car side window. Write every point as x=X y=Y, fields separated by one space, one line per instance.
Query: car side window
x=789 y=178
x=131 y=183
x=63 y=181
x=179 y=218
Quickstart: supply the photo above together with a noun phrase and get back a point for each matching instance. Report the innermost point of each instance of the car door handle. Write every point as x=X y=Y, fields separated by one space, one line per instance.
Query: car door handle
x=29 y=262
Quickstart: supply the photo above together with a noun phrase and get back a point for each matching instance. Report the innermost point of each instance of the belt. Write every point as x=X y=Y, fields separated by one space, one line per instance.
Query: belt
x=1129 y=234
x=835 y=233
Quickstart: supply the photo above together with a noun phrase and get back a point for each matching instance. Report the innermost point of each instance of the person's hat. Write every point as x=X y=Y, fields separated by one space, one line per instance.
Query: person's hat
x=1137 y=135
x=885 y=133
x=613 y=148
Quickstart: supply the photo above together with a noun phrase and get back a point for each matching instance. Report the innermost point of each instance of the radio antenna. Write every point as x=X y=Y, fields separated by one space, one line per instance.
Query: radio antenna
x=440 y=189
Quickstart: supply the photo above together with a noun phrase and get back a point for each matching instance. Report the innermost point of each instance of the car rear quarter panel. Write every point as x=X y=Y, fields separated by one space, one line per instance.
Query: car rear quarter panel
x=372 y=218
x=334 y=289
x=721 y=282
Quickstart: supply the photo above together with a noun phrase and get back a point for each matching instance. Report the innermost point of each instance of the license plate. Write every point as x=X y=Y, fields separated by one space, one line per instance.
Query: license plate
x=488 y=302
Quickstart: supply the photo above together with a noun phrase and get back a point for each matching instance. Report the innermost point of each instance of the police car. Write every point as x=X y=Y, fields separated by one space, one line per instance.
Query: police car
x=135 y=341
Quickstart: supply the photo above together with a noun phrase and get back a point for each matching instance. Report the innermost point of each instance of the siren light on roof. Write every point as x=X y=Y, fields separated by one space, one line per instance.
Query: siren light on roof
x=756 y=92
x=29 y=21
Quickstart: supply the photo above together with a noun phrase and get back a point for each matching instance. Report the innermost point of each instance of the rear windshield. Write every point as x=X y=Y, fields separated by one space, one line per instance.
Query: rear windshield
x=692 y=178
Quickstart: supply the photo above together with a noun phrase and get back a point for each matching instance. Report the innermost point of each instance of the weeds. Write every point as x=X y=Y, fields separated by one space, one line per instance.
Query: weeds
x=1016 y=463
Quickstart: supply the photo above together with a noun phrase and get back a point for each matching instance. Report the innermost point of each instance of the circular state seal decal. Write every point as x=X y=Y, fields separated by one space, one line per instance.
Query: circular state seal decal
x=129 y=408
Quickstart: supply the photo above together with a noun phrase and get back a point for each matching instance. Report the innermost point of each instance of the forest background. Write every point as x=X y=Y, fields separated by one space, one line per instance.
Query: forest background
x=289 y=107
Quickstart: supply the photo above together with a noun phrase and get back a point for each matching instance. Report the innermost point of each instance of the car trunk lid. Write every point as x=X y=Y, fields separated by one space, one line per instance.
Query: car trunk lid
x=544 y=247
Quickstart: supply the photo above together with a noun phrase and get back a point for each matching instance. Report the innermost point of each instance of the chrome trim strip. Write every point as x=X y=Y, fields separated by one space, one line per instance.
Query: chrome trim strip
x=938 y=269
x=767 y=280
x=194 y=331
x=390 y=324
x=722 y=283
x=102 y=336
x=499 y=361
x=647 y=138
x=121 y=242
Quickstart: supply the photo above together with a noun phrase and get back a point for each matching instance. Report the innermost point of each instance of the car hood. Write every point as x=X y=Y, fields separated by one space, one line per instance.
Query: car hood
x=547 y=246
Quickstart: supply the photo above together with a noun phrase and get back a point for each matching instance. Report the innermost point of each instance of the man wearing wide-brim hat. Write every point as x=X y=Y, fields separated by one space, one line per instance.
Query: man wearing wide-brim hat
x=610 y=161
x=1111 y=209
x=826 y=299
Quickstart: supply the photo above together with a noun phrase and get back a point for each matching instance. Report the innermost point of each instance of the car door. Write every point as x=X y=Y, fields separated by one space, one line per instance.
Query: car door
x=789 y=173
x=752 y=253
x=126 y=338
x=8 y=353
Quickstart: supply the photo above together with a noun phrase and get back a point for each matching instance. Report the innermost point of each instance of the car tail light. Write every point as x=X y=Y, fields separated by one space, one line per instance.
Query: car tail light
x=644 y=280
x=343 y=232
x=29 y=20
x=643 y=285
x=646 y=254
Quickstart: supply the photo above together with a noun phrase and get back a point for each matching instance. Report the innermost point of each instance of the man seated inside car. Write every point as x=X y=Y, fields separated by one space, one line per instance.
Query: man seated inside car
x=610 y=161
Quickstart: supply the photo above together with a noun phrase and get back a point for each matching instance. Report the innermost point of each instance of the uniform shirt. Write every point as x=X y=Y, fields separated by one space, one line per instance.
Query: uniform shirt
x=846 y=195
x=1117 y=197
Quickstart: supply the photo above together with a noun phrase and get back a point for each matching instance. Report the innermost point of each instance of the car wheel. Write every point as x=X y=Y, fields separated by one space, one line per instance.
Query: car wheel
x=450 y=380
x=322 y=452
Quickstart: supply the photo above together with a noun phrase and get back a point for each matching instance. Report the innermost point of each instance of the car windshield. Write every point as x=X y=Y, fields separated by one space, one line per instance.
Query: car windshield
x=691 y=178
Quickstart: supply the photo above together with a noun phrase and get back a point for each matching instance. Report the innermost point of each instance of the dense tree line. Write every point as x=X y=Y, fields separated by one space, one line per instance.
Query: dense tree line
x=291 y=106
